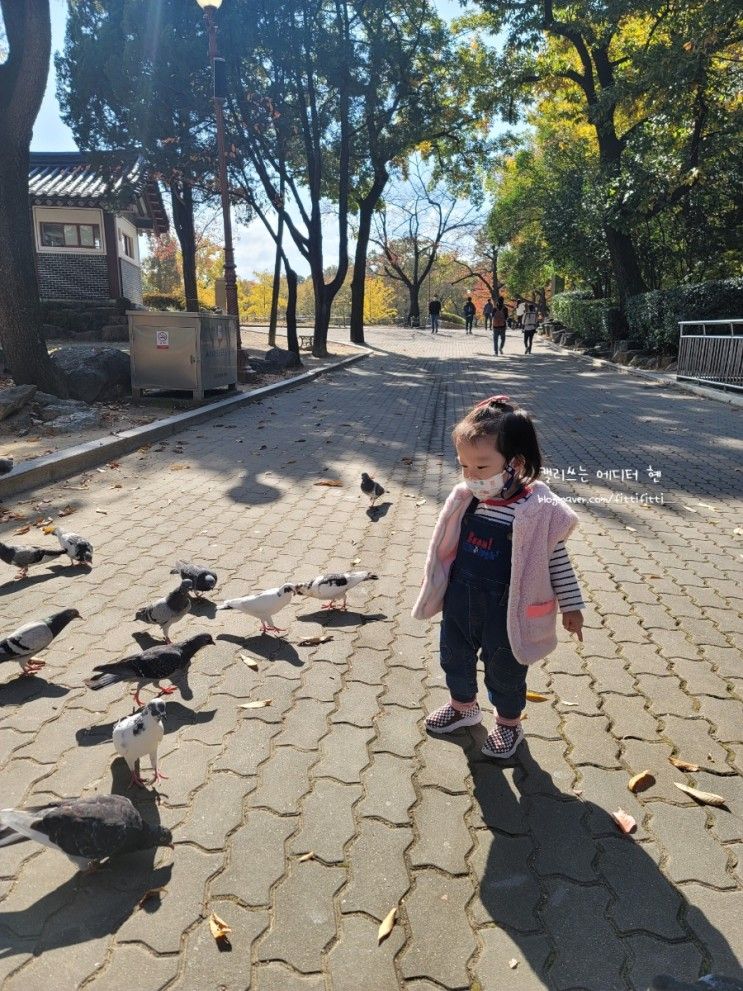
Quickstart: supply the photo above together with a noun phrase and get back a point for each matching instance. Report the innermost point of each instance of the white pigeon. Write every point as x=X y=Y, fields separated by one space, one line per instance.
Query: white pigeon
x=78 y=548
x=140 y=734
x=263 y=606
x=333 y=586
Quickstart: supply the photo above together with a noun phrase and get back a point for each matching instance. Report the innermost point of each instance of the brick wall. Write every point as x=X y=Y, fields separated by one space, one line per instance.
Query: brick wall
x=73 y=276
x=131 y=281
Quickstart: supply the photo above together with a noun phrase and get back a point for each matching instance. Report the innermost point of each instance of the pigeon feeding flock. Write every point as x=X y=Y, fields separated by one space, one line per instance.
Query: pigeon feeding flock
x=80 y=551
x=169 y=610
x=371 y=488
x=263 y=606
x=169 y=660
x=87 y=830
x=26 y=557
x=28 y=640
x=204 y=580
x=139 y=735
x=334 y=585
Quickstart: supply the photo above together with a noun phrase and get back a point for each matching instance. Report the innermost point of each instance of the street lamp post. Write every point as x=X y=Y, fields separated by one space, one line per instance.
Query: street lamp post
x=230 y=280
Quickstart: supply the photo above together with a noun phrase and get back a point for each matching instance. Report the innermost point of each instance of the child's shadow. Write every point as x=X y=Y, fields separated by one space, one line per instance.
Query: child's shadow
x=582 y=904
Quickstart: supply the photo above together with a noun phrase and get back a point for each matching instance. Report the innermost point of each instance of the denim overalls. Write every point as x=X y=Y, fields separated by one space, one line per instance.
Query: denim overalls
x=474 y=617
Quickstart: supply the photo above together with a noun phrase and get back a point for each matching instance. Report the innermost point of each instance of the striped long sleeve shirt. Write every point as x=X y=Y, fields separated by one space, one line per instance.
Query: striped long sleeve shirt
x=562 y=575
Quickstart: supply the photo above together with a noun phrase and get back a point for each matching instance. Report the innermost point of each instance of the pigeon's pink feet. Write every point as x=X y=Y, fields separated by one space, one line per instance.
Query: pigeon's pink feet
x=136 y=780
x=168 y=690
x=137 y=699
x=21 y=574
x=328 y=605
x=271 y=629
x=32 y=666
x=159 y=776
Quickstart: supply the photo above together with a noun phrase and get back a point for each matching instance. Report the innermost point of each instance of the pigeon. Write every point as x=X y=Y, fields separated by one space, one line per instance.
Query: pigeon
x=26 y=557
x=161 y=661
x=86 y=830
x=79 y=550
x=33 y=637
x=334 y=585
x=140 y=734
x=371 y=488
x=710 y=982
x=6 y=465
x=203 y=579
x=169 y=610
x=263 y=606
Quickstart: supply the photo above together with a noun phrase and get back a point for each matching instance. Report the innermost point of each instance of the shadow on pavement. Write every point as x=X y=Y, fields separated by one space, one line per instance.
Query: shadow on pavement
x=27 y=687
x=271 y=648
x=331 y=619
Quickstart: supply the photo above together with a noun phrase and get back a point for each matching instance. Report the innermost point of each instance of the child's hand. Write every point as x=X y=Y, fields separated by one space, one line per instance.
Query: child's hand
x=573 y=623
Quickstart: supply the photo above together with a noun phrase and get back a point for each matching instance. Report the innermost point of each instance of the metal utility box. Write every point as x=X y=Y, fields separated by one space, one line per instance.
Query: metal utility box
x=186 y=351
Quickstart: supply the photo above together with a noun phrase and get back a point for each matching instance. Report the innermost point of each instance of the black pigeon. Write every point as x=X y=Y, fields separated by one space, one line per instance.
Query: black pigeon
x=371 y=488
x=25 y=557
x=150 y=666
x=87 y=830
x=6 y=465
x=169 y=610
x=33 y=637
x=203 y=579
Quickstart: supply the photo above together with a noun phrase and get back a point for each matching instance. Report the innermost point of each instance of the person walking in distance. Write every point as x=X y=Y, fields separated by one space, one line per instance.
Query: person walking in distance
x=487 y=312
x=520 y=311
x=469 y=314
x=530 y=327
x=434 y=312
x=500 y=321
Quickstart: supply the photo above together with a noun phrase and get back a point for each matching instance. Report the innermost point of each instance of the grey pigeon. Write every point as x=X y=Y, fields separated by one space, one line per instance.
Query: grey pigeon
x=33 y=637
x=710 y=982
x=334 y=585
x=80 y=551
x=139 y=735
x=6 y=465
x=148 y=667
x=204 y=580
x=25 y=557
x=87 y=830
x=263 y=606
x=169 y=610
x=371 y=488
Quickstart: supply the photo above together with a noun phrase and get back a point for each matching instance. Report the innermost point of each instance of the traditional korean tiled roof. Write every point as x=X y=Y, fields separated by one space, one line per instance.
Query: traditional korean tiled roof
x=74 y=178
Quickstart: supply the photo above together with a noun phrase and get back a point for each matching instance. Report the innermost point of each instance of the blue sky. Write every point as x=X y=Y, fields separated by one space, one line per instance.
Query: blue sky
x=254 y=249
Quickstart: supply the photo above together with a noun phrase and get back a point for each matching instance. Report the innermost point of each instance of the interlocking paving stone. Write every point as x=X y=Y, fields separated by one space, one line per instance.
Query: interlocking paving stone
x=714 y=917
x=590 y=740
x=577 y=692
x=693 y=741
x=646 y=659
x=498 y=801
x=435 y=911
x=389 y=792
x=256 y=857
x=692 y=853
x=629 y=717
x=630 y=868
x=603 y=791
x=436 y=847
x=397 y=731
x=368 y=666
x=724 y=714
x=666 y=695
x=304 y=726
x=321 y=681
x=358 y=704
x=223 y=791
x=546 y=768
x=563 y=844
x=247 y=747
x=327 y=820
x=357 y=962
x=443 y=762
x=343 y=753
x=493 y=970
x=727 y=823
x=508 y=891
x=403 y=687
x=302 y=903
x=379 y=875
x=699 y=678
x=206 y=966
x=639 y=755
x=652 y=957
x=276 y=977
x=284 y=780
x=153 y=971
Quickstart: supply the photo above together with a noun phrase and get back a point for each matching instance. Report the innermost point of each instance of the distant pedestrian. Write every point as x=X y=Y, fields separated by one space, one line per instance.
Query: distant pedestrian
x=500 y=322
x=487 y=312
x=434 y=312
x=520 y=312
x=530 y=327
x=498 y=568
x=469 y=315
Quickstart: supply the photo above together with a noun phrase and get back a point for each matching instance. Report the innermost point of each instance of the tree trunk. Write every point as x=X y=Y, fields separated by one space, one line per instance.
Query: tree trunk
x=292 y=341
x=414 y=313
x=181 y=198
x=358 y=280
x=625 y=263
x=323 y=303
x=276 y=274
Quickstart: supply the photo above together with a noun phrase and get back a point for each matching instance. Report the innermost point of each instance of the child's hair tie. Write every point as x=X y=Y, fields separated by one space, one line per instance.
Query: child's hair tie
x=493 y=399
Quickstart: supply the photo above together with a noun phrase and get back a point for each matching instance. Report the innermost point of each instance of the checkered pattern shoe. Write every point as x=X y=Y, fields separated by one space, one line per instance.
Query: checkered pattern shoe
x=502 y=741
x=447 y=718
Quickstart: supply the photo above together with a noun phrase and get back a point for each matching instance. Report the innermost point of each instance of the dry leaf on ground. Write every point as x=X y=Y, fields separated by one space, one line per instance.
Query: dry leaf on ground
x=641 y=782
x=67 y=511
x=114 y=464
x=388 y=924
x=152 y=893
x=179 y=467
x=49 y=529
x=103 y=512
x=406 y=461
x=218 y=927
x=250 y=661
x=536 y=697
x=421 y=502
x=22 y=529
x=683 y=765
x=624 y=820
x=513 y=963
x=256 y=704
x=314 y=641
x=705 y=797
x=331 y=483
x=306 y=856
x=356 y=560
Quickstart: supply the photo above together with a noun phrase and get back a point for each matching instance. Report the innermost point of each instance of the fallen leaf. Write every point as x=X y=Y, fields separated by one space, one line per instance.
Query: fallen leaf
x=624 y=820
x=306 y=856
x=565 y=702
x=22 y=529
x=641 y=782
x=689 y=508
x=356 y=560
x=179 y=467
x=738 y=531
x=256 y=704
x=683 y=765
x=103 y=512
x=67 y=511
x=536 y=697
x=706 y=505
x=114 y=464
x=250 y=661
x=314 y=641
x=388 y=924
x=49 y=529
x=152 y=893
x=218 y=927
x=513 y=963
x=421 y=502
x=406 y=461
x=332 y=483
x=704 y=797
x=631 y=529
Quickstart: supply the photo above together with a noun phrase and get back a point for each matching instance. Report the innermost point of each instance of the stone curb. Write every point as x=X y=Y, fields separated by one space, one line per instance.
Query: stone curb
x=62 y=464
x=666 y=380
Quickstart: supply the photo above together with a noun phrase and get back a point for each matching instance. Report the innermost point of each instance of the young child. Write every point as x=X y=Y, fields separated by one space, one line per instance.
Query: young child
x=498 y=567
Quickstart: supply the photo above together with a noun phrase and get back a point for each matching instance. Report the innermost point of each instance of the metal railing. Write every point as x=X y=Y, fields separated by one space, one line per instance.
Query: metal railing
x=711 y=351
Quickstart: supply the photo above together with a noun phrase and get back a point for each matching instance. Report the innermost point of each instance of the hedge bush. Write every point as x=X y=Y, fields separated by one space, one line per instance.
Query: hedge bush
x=595 y=321
x=451 y=318
x=653 y=316
x=164 y=301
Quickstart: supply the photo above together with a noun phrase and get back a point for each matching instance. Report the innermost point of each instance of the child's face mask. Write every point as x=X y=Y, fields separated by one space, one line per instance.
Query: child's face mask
x=494 y=487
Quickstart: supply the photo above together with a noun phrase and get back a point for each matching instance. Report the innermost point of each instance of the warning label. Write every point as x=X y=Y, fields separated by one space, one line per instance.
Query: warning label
x=162 y=340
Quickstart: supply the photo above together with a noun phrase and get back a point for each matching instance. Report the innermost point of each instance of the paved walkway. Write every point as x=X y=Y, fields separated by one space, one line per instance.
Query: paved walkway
x=491 y=865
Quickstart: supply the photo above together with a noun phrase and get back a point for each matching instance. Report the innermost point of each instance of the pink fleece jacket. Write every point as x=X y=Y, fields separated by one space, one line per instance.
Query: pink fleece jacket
x=538 y=527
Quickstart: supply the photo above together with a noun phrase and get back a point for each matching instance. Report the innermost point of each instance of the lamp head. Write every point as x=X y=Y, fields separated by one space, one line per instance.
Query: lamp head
x=216 y=4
